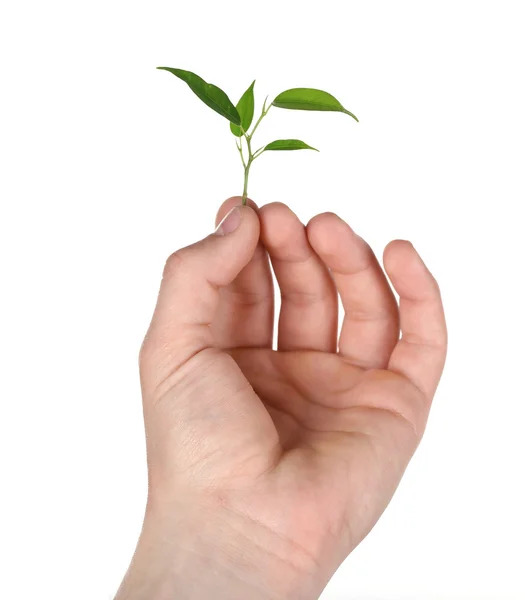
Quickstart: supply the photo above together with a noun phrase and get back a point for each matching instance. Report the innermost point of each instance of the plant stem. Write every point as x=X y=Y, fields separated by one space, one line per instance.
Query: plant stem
x=258 y=152
x=264 y=112
x=241 y=153
x=252 y=157
x=247 y=169
x=245 y=181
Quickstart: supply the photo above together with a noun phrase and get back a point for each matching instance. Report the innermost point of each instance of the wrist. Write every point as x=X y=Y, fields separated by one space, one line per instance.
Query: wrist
x=203 y=553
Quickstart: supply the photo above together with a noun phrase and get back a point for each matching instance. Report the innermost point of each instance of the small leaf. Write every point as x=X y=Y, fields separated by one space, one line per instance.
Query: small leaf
x=210 y=94
x=288 y=145
x=245 y=108
x=309 y=99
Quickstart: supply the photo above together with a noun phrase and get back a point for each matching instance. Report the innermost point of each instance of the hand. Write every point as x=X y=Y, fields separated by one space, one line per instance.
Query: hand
x=268 y=467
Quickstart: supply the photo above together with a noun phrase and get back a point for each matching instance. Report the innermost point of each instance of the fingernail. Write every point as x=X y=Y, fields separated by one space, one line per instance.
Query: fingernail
x=230 y=222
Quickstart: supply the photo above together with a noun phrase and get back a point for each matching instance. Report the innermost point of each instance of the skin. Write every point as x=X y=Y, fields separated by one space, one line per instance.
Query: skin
x=267 y=467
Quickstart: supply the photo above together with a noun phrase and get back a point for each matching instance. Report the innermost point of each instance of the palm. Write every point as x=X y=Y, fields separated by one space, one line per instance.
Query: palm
x=330 y=417
x=309 y=394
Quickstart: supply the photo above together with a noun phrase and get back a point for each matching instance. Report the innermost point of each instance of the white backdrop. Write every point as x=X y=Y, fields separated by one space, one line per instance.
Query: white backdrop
x=107 y=166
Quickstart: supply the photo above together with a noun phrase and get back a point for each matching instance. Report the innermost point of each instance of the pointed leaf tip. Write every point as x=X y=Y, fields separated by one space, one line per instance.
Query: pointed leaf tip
x=351 y=115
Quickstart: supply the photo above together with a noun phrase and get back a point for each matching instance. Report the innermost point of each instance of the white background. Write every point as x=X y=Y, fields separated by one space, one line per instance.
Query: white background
x=108 y=165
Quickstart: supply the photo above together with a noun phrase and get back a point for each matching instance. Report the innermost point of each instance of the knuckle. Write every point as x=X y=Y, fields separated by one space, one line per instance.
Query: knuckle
x=175 y=263
x=146 y=351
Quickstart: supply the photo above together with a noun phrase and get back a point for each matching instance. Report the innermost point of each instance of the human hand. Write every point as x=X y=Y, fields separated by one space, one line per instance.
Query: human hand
x=268 y=467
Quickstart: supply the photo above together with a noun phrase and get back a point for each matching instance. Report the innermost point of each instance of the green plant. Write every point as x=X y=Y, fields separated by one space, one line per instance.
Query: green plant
x=241 y=115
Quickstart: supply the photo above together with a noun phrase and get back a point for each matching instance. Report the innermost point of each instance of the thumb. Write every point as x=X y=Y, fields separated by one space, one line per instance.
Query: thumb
x=190 y=291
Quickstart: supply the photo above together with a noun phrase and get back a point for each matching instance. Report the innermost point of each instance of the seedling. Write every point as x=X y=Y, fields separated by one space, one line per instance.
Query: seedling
x=241 y=115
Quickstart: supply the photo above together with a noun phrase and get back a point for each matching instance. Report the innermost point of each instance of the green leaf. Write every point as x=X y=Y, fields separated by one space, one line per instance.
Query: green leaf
x=210 y=94
x=288 y=145
x=309 y=99
x=245 y=108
